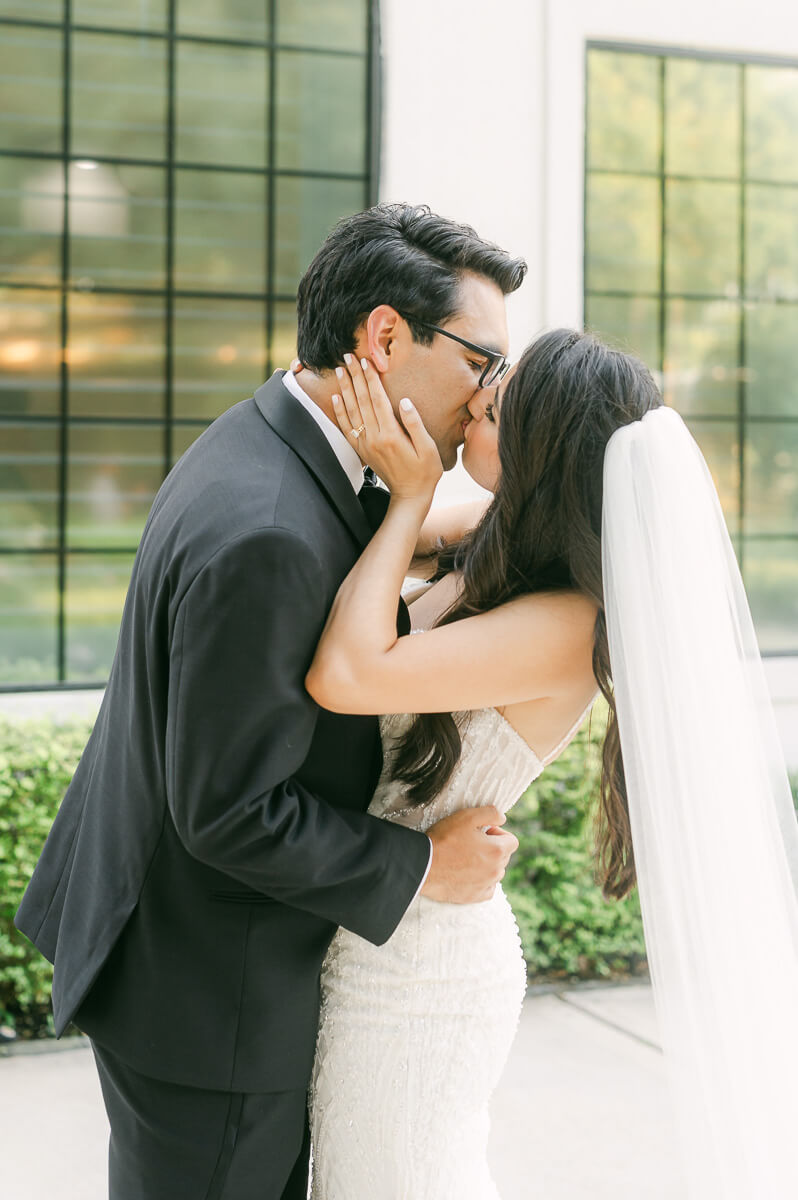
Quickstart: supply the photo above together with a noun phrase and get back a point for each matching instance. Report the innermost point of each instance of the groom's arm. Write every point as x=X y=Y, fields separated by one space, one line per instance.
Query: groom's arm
x=241 y=723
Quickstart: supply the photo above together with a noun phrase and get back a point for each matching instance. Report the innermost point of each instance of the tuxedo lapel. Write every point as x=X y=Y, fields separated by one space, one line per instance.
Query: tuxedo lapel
x=296 y=427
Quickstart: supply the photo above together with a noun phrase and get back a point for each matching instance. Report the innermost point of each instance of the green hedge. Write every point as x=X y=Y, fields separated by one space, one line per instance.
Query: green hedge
x=36 y=763
x=568 y=930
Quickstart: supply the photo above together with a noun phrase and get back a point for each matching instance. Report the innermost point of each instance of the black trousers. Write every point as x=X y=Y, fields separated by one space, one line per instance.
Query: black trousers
x=170 y=1142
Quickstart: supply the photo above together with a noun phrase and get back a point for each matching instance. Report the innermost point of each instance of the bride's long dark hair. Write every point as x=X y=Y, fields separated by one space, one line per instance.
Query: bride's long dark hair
x=542 y=532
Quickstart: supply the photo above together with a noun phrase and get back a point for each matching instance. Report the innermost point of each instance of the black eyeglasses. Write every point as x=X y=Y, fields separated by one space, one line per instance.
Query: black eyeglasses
x=495 y=368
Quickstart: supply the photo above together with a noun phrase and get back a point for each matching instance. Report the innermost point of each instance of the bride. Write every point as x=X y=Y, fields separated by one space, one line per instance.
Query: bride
x=601 y=564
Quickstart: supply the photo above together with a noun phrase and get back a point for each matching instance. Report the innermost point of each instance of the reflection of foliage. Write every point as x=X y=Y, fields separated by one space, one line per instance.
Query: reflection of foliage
x=771 y=464
x=702 y=107
x=771 y=578
x=630 y=324
x=705 y=372
x=771 y=249
x=772 y=358
x=771 y=110
x=622 y=233
x=623 y=129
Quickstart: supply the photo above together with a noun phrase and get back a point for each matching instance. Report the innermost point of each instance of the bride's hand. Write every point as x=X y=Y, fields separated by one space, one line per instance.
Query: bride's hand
x=406 y=459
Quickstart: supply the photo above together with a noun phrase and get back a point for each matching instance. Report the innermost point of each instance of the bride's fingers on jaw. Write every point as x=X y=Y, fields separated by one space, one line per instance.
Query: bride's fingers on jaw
x=379 y=398
x=349 y=398
x=344 y=424
x=357 y=371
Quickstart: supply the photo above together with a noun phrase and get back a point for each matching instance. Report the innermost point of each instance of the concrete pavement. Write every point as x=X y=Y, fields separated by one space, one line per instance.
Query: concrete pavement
x=582 y=1110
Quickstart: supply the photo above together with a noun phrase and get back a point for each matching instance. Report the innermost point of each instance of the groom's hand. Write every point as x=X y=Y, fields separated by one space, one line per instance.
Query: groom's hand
x=469 y=856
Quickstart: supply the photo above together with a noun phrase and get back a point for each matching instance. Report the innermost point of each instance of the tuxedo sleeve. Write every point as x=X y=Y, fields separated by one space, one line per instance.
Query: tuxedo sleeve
x=240 y=724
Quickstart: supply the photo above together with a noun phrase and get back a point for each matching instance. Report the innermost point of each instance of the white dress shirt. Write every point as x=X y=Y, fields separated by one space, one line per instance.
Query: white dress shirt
x=349 y=459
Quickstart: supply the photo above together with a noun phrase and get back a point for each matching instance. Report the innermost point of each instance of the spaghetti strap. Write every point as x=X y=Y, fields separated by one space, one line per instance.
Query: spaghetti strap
x=550 y=757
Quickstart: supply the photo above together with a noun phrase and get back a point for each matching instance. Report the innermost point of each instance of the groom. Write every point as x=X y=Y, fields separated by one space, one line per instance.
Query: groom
x=215 y=833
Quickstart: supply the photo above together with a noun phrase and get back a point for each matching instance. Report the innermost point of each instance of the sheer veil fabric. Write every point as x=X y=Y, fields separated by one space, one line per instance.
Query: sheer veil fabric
x=713 y=826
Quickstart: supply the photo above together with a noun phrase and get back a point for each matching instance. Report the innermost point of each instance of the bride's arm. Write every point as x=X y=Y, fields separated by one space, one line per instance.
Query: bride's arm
x=522 y=650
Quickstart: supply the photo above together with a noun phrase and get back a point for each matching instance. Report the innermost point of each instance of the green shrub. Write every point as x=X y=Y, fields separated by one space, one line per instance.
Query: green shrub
x=37 y=761
x=567 y=928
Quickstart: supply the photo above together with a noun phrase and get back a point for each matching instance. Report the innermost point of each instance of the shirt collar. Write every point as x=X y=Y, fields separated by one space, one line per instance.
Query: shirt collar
x=347 y=456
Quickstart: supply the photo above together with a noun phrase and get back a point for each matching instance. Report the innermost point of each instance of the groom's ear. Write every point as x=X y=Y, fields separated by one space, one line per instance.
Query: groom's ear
x=383 y=336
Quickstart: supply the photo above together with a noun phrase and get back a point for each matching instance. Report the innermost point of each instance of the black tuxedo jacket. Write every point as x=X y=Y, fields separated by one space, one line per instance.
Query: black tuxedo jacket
x=215 y=833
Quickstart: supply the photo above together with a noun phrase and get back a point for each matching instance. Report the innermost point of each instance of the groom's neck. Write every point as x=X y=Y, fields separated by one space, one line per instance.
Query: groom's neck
x=320 y=388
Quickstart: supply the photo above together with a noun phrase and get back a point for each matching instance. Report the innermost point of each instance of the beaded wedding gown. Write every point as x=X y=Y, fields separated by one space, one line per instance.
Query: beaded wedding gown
x=414 y=1034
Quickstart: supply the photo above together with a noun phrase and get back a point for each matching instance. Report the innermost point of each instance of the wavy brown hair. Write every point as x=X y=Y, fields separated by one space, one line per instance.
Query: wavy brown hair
x=542 y=532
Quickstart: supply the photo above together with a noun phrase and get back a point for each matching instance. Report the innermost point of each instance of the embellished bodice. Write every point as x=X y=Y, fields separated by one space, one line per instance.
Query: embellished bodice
x=496 y=767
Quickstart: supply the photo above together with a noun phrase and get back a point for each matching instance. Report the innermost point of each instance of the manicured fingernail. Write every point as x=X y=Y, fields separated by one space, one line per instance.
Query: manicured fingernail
x=336 y=401
x=405 y=404
x=364 y=362
x=339 y=371
x=347 y=359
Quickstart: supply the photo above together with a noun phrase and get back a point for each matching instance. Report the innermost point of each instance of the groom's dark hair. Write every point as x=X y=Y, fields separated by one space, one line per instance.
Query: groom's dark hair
x=398 y=254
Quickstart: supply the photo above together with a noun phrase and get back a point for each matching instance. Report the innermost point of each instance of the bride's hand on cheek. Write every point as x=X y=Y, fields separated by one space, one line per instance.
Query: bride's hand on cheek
x=400 y=451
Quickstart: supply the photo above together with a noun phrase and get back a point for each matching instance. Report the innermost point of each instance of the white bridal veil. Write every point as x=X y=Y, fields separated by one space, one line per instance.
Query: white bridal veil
x=714 y=831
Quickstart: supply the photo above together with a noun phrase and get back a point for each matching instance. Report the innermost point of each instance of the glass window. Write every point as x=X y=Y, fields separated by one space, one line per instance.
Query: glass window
x=307 y=209
x=630 y=323
x=29 y=603
x=33 y=10
x=321 y=114
x=32 y=220
x=702 y=350
x=220 y=231
x=247 y=20
x=702 y=249
x=96 y=585
x=710 y=294
x=118 y=95
x=222 y=105
x=771 y=580
x=771 y=355
x=113 y=474
x=29 y=486
x=771 y=244
x=143 y=15
x=771 y=130
x=117 y=225
x=30 y=352
x=116 y=355
x=30 y=89
x=771 y=477
x=219 y=354
x=702 y=127
x=623 y=224
x=191 y=208
x=624 y=133
x=328 y=24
